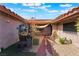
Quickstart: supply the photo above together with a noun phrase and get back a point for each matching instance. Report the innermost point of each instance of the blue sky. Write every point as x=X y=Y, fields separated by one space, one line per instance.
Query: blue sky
x=40 y=10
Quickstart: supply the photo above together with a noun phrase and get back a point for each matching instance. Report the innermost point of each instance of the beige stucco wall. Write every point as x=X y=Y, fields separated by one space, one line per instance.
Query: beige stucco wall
x=8 y=31
x=69 y=35
x=57 y=28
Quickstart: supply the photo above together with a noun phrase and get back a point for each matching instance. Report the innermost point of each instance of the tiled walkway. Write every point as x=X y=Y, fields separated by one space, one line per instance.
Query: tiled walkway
x=66 y=50
x=59 y=49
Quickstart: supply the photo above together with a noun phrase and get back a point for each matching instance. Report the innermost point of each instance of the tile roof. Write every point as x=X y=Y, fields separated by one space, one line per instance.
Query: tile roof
x=66 y=15
x=57 y=20
x=60 y=18
x=10 y=13
x=39 y=21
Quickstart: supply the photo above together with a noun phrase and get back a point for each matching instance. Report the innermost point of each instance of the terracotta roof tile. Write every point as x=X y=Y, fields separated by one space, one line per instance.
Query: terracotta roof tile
x=39 y=21
x=9 y=12
x=66 y=15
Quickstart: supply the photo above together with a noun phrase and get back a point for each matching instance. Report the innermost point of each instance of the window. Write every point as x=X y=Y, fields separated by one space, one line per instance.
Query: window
x=69 y=27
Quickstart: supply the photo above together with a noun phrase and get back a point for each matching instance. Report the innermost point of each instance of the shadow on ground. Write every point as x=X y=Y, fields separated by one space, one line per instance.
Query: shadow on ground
x=15 y=51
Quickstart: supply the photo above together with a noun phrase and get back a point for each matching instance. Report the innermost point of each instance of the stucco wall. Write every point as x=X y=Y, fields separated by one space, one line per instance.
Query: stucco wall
x=57 y=28
x=8 y=31
x=69 y=35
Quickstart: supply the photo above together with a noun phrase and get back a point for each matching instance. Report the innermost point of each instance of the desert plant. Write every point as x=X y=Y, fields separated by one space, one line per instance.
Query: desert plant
x=62 y=40
x=65 y=41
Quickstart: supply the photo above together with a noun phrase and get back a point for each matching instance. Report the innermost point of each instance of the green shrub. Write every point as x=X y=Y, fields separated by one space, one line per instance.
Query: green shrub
x=65 y=41
x=62 y=40
x=35 y=41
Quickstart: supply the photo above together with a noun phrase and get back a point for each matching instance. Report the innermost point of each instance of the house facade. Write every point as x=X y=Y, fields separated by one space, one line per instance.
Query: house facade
x=67 y=25
x=9 y=22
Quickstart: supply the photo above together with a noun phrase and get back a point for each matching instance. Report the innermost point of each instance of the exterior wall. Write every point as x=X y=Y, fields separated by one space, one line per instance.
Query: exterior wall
x=54 y=28
x=8 y=31
x=69 y=35
x=57 y=28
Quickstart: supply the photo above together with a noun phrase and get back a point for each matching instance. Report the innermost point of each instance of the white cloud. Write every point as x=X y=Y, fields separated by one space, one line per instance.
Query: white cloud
x=53 y=11
x=37 y=6
x=32 y=7
x=63 y=11
x=40 y=7
x=14 y=3
x=65 y=5
x=15 y=9
x=47 y=5
x=31 y=4
x=72 y=8
x=57 y=11
x=30 y=10
x=43 y=7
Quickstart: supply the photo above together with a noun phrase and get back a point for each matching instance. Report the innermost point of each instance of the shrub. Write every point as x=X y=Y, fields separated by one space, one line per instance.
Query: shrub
x=62 y=40
x=65 y=41
x=35 y=41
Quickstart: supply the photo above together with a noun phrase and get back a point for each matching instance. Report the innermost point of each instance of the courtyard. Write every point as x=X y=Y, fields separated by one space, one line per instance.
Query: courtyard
x=39 y=37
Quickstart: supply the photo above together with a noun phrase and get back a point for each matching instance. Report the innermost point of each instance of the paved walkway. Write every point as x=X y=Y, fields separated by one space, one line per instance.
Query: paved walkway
x=59 y=49
x=44 y=48
x=64 y=50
